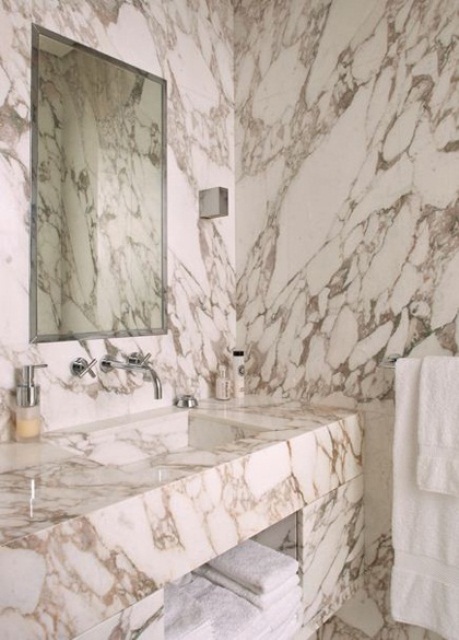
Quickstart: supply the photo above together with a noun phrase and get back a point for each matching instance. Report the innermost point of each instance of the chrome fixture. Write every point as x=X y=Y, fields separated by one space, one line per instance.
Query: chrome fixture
x=389 y=361
x=213 y=203
x=135 y=362
x=80 y=366
x=186 y=402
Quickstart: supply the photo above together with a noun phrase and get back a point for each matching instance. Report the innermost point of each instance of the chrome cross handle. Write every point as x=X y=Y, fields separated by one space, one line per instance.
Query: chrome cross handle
x=80 y=366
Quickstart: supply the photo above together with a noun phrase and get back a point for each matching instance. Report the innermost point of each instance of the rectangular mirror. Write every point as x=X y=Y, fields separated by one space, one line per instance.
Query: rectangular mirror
x=98 y=232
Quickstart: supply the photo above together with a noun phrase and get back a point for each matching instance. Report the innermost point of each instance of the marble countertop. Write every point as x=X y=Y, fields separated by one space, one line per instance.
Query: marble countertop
x=45 y=483
x=122 y=498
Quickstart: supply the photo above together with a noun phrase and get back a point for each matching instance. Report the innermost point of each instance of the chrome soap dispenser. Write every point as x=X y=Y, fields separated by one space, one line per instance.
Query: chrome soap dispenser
x=28 y=418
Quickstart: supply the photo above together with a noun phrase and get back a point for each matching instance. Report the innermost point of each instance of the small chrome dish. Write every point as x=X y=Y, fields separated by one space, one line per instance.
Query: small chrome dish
x=186 y=402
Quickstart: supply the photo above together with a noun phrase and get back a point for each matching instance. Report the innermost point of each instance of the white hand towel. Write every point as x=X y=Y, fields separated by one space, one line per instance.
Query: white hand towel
x=438 y=433
x=233 y=618
x=184 y=618
x=425 y=526
x=262 y=601
x=255 y=566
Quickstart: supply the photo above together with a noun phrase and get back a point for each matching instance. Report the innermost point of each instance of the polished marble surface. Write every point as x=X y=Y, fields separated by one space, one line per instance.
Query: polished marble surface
x=113 y=533
x=332 y=439
x=347 y=250
x=142 y=621
x=190 y=46
x=331 y=553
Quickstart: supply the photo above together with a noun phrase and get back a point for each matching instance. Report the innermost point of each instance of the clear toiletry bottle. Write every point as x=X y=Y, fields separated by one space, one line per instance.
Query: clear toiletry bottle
x=28 y=418
x=222 y=384
x=238 y=373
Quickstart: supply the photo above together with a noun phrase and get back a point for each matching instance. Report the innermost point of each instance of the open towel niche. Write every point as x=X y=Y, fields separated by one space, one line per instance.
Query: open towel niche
x=250 y=592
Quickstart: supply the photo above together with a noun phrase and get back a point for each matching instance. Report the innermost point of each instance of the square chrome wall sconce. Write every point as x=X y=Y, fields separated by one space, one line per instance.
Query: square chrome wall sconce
x=213 y=203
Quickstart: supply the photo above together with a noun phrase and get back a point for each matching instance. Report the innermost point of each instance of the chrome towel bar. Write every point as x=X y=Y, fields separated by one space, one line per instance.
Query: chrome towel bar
x=389 y=361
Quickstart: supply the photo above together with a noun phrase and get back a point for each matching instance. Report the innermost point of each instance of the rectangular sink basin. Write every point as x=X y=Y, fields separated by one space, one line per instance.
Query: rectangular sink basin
x=135 y=438
x=209 y=434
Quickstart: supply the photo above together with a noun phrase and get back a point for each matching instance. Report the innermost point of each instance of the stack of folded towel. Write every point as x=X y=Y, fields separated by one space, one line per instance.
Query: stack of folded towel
x=266 y=579
x=184 y=617
x=249 y=593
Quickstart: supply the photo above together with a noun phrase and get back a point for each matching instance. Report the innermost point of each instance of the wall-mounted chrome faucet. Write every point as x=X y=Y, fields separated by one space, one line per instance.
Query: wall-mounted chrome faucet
x=80 y=366
x=135 y=362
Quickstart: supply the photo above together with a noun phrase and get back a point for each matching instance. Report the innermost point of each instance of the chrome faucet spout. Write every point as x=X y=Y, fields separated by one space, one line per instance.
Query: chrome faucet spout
x=157 y=386
x=135 y=363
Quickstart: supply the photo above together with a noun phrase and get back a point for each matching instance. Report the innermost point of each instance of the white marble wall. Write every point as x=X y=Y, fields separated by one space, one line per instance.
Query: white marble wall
x=190 y=45
x=347 y=157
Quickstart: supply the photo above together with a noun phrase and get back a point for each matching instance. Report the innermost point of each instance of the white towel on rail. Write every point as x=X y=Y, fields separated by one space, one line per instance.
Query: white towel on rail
x=425 y=526
x=255 y=566
x=438 y=433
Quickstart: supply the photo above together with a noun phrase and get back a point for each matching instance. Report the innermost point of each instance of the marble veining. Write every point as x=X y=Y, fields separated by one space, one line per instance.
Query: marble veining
x=346 y=163
x=143 y=621
x=347 y=209
x=191 y=46
x=99 y=538
x=347 y=196
x=331 y=544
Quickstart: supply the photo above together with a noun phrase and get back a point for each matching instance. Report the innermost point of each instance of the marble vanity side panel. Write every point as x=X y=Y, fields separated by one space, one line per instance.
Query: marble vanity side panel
x=331 y=551
x=143 y=621
x=335 y=458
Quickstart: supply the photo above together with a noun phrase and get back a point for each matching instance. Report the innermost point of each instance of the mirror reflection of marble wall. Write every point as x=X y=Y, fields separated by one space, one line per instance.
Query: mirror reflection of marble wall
x=99 y=199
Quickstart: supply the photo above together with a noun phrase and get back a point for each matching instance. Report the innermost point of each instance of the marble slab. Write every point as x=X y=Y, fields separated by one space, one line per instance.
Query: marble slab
x=106 y=540
x=142 y=621
x=121 y=441
x=331 y=553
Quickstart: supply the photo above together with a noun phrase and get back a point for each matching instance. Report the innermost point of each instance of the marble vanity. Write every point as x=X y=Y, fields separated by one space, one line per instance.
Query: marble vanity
x=96 y=520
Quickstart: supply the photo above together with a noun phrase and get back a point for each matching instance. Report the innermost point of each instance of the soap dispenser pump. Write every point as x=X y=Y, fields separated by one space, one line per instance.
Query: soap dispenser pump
x=28 y=419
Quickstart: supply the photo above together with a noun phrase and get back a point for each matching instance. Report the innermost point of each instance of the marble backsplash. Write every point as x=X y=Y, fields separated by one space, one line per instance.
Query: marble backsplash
x=191 y=46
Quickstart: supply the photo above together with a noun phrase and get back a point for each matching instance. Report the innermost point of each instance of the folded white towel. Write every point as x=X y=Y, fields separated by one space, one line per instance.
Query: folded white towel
x=287 y=608
x=255 y=566
x=184 y=618
x=425 y=526
x=233 y=618
x=263 y=600
x=286 y=631
x=438 y=432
